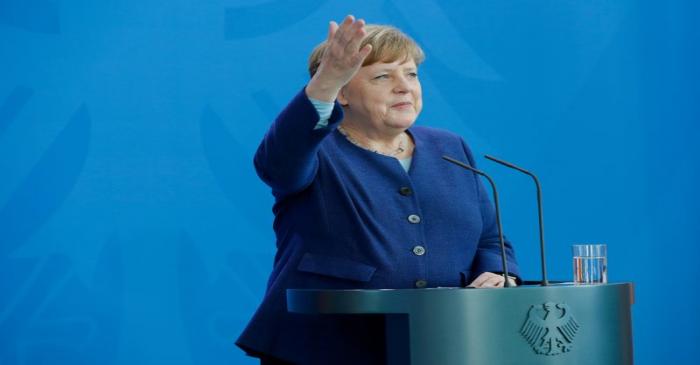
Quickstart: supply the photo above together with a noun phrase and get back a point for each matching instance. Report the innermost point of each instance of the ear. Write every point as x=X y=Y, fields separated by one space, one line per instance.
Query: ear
x=342 y=100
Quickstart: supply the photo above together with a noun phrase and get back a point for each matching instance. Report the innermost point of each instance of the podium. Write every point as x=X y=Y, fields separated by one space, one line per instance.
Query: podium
x=562 y=323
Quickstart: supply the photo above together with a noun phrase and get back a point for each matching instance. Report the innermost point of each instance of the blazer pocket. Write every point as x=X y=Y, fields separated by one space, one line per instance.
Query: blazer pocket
x=336 y=267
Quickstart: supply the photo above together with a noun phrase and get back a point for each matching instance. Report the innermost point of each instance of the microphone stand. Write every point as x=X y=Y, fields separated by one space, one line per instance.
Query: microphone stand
x=506 y=282
x=539 y=211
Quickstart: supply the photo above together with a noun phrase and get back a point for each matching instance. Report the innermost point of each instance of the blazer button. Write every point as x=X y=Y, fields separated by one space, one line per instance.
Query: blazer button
x=419 y=250
x=414 y=219
x=421 y=283
x=405 y=191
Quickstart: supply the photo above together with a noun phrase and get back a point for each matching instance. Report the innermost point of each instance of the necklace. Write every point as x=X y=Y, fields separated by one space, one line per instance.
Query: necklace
x=400 y=149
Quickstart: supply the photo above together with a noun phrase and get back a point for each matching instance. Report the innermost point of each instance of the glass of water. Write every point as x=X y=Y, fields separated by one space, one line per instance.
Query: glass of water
x=590 y=264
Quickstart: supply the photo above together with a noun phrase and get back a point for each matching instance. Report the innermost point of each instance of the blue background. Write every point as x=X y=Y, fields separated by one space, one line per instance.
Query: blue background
x=133 y=229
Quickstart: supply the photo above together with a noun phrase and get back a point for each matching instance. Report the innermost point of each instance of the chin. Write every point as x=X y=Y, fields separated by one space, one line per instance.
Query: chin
x=402 y=123
x=402 y=120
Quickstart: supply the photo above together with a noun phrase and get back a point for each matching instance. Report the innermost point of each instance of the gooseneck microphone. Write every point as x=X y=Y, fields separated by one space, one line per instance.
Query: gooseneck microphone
x=506 y=282
x=539 y=211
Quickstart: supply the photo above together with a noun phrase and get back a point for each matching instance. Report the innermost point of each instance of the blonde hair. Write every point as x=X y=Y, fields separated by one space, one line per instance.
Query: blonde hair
x=388 y=45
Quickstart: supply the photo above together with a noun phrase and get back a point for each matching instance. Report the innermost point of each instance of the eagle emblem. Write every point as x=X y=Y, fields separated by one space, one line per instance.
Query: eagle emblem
x=550 y=328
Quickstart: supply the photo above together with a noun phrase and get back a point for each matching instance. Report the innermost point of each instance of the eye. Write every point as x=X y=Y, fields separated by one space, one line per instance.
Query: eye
x=382 y=76
x=413 y=75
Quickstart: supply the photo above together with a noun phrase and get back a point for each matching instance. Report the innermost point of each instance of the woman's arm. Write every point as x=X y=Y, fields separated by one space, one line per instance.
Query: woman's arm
x=287 y=157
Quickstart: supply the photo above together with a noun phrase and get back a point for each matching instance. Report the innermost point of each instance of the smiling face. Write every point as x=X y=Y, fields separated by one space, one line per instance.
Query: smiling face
x=383 y=98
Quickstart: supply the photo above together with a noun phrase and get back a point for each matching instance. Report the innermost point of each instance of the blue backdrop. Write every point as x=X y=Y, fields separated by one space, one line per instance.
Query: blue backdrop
x=133 y=229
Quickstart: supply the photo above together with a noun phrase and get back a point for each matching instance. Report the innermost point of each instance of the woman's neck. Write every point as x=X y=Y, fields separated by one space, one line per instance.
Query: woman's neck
x=397 y=144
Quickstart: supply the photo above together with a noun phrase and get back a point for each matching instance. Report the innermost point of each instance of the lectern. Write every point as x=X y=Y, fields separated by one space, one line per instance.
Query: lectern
x=561 y=323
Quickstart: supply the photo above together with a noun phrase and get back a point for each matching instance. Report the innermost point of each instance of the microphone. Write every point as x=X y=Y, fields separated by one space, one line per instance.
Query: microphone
x=506 y=282
x=539 y=211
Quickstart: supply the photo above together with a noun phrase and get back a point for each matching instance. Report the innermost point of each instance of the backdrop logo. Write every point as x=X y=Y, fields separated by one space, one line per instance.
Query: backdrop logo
x=550 y=328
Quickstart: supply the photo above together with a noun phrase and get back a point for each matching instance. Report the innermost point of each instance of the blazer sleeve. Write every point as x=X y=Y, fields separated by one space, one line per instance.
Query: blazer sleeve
x=488 y=254
x=287 y=158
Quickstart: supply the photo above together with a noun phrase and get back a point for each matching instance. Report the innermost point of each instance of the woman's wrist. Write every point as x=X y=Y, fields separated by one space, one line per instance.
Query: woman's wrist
x=323 y=91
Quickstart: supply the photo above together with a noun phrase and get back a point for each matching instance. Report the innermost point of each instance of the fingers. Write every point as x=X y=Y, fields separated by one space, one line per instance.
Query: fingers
x=480 y=280
x=345 y=25
x=356 y=34
x=349 y=35
x=364 y=52
x=488 y=280
x=332 y=29
x=495 y=281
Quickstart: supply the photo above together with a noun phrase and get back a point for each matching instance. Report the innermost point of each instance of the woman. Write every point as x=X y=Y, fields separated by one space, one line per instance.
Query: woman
x=363 y=199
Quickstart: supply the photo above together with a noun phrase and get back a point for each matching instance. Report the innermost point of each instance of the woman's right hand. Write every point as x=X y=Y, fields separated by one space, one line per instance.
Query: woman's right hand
x=341 y=59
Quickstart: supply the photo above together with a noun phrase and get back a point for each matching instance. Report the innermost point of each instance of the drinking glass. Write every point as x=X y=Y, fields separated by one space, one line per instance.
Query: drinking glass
x=590 y=263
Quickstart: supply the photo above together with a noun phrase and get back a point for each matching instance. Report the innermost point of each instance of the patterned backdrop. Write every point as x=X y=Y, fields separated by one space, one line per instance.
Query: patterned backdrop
x=133 y=229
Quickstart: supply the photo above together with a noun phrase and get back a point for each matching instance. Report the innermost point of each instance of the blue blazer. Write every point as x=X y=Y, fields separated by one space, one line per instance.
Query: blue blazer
x=346 y=217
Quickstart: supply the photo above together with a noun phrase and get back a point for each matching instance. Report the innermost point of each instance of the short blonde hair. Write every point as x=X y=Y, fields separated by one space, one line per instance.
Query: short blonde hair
x=388 y=45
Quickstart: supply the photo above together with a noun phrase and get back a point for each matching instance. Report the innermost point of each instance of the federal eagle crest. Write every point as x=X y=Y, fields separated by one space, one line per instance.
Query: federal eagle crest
x=550 y=328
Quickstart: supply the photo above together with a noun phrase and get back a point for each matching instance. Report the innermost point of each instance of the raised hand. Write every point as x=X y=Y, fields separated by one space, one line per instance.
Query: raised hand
x=341 y=59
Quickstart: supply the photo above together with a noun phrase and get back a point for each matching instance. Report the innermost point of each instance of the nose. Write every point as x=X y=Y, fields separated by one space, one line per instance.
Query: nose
x=402 y=85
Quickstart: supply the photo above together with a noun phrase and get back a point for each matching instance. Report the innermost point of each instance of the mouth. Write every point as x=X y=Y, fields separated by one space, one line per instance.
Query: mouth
x=402 y=105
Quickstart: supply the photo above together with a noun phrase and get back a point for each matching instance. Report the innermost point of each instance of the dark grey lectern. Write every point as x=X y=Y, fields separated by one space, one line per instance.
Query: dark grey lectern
x=557 y=324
